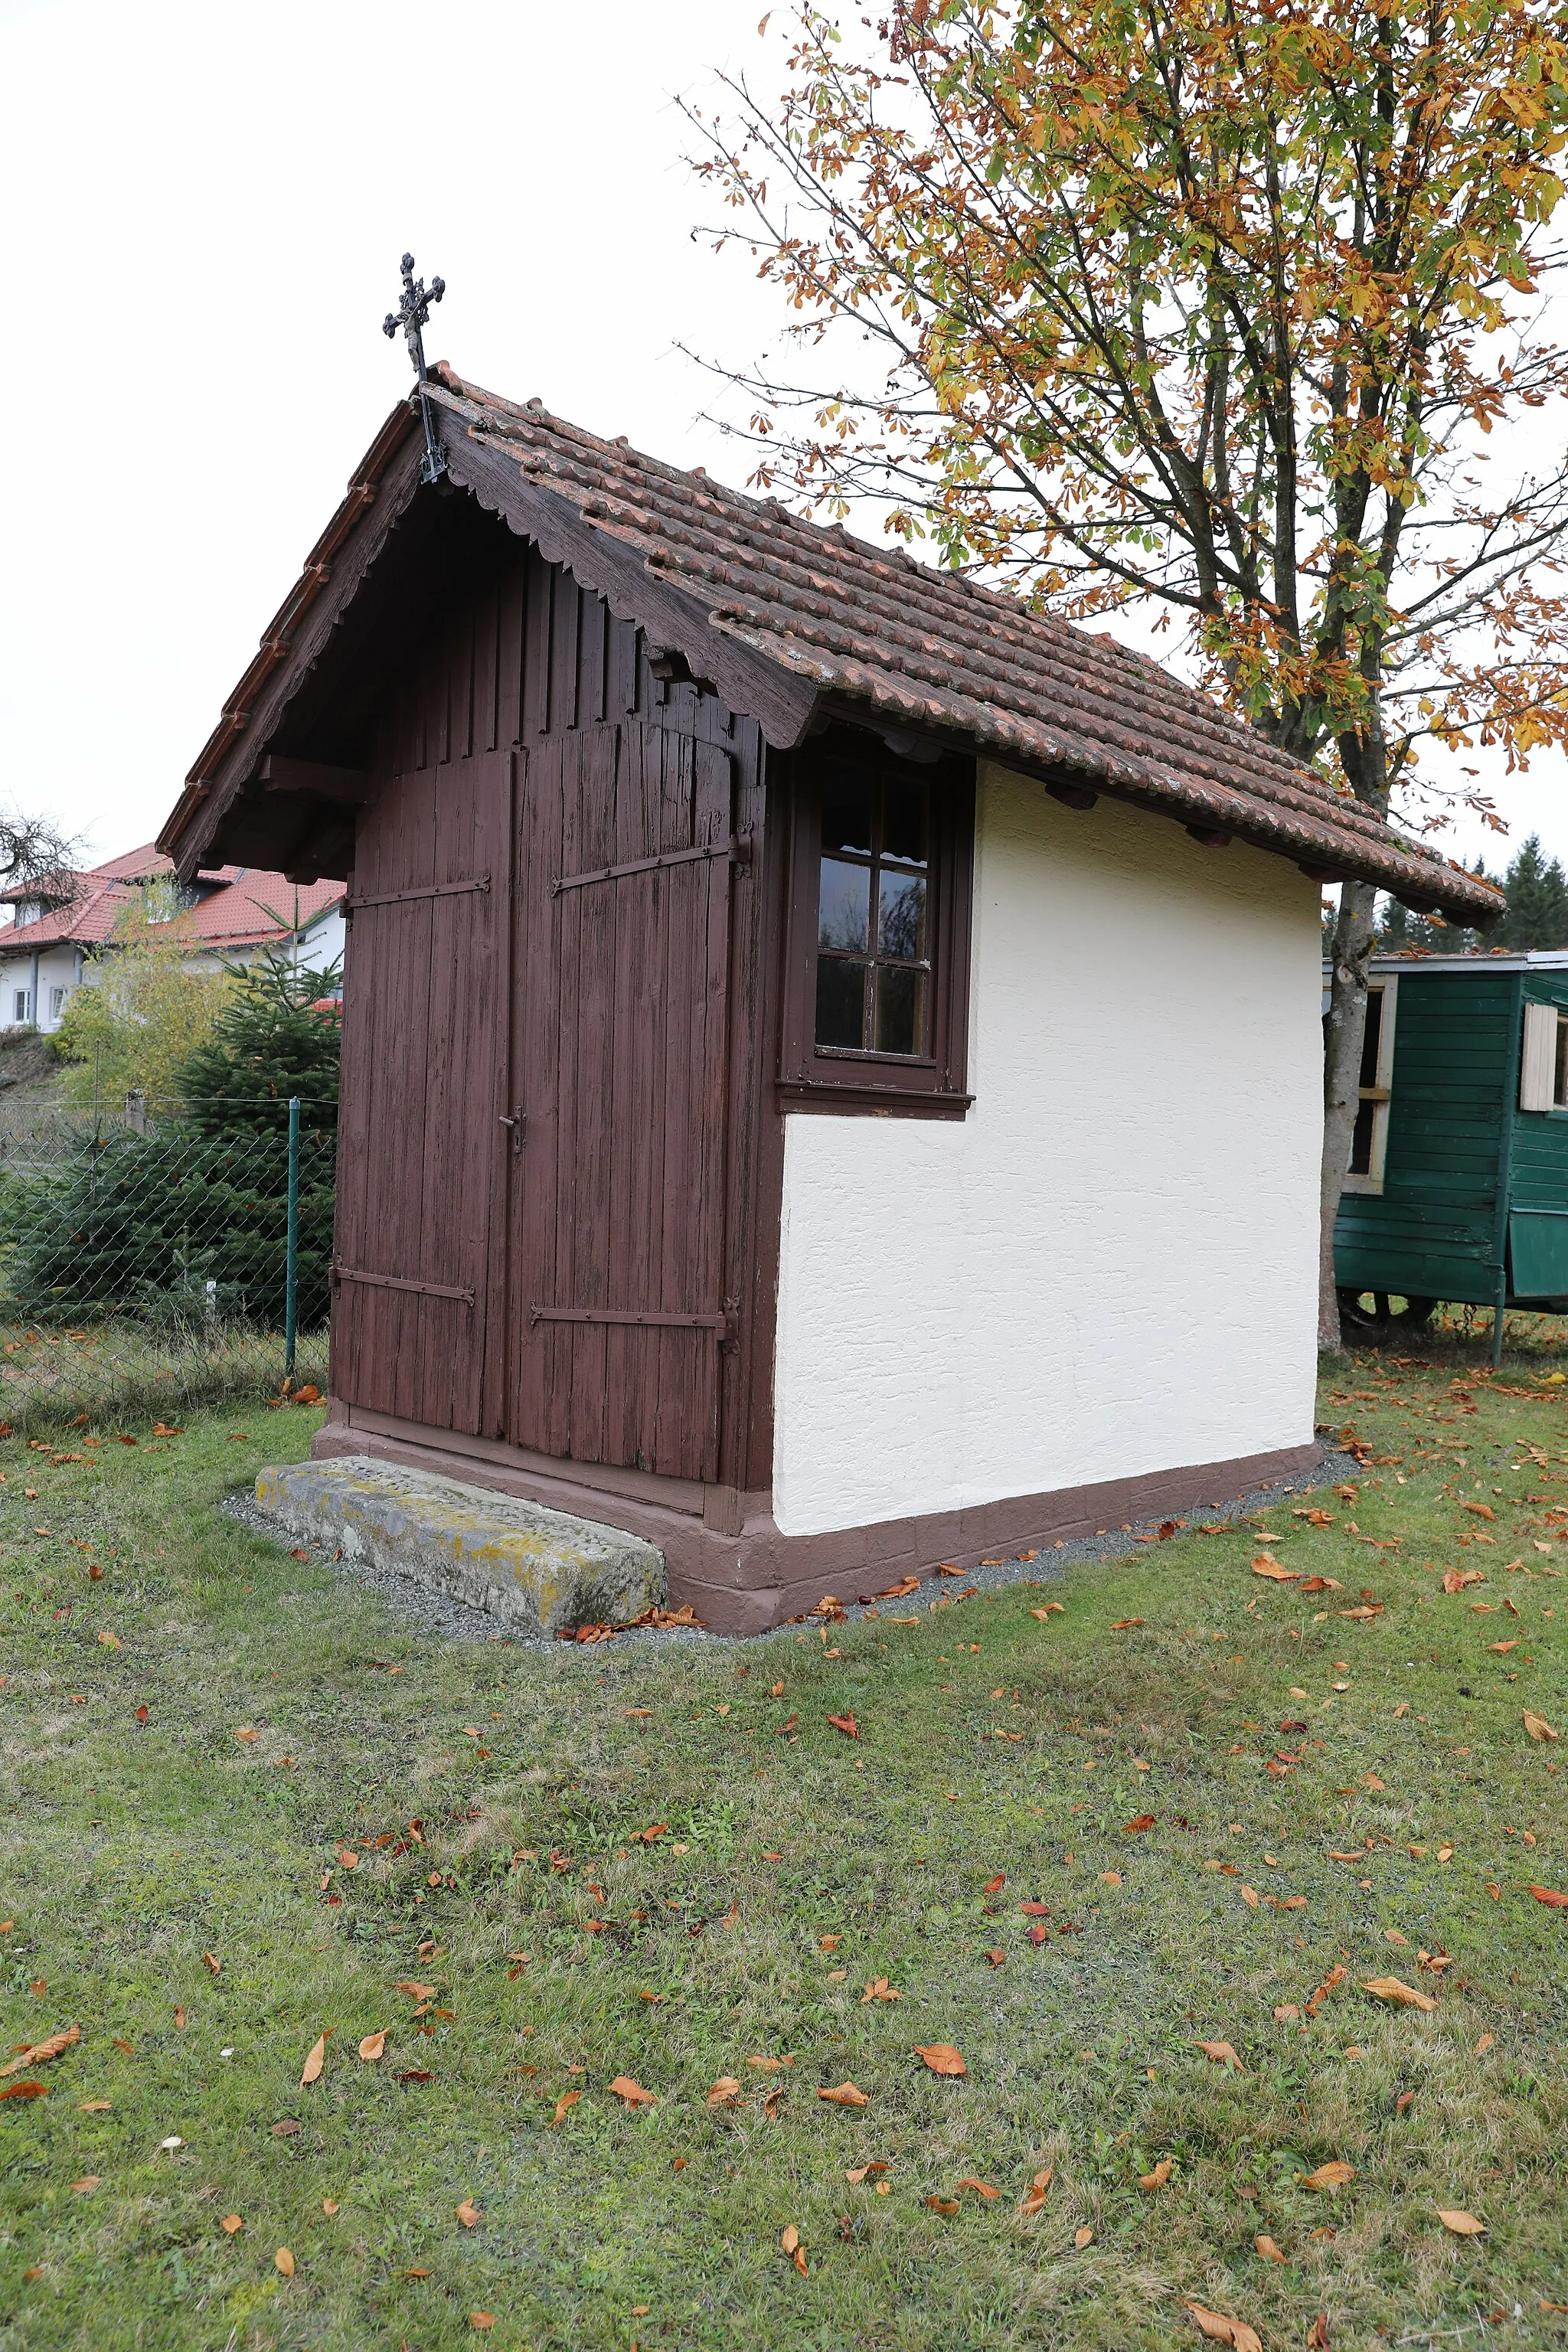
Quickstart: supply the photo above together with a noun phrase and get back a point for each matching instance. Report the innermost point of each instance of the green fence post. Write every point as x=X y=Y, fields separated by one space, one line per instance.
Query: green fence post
x=292 y=1278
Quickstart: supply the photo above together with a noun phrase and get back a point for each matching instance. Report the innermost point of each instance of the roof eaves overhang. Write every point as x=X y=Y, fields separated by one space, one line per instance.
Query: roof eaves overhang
x=751 y=678
x=381 y=488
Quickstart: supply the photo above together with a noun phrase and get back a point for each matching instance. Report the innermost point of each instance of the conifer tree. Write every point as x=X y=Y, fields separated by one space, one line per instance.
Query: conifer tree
x=279 y=1035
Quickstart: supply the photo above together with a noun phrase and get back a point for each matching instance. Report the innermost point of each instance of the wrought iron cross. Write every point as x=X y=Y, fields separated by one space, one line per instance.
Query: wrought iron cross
x=413 y=315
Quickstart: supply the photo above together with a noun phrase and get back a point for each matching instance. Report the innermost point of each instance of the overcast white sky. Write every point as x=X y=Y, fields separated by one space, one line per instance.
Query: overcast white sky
x=205 y=207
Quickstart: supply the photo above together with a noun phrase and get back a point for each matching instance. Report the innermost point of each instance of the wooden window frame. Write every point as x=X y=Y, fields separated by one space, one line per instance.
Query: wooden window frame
x=838 y=1079
x=1380 y=1092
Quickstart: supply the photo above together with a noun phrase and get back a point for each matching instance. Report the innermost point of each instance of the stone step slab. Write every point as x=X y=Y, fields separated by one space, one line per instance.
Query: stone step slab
x=542 y=1571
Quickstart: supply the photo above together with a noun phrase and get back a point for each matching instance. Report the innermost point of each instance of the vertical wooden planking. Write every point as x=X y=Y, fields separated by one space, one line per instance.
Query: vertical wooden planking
x=599 y=779
x=543 y=582
x=620 y=668
x=613 y=1035
x=593 y=617
x=565 y=623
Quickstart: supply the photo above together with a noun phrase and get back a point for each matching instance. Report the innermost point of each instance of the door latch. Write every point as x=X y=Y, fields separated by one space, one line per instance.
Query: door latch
x=518 y=1122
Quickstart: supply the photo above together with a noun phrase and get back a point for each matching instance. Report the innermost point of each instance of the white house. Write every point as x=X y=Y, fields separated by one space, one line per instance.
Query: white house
x=832 y=1074
x=232 y=914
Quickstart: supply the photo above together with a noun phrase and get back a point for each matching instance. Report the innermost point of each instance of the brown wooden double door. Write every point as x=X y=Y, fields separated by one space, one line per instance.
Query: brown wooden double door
x=542 y=1069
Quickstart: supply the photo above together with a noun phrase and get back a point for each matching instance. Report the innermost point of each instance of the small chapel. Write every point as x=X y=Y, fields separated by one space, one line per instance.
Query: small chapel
x=832 y=1062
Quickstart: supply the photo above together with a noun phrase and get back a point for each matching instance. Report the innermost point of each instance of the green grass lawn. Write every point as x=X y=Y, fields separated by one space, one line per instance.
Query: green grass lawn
x=200 y=1740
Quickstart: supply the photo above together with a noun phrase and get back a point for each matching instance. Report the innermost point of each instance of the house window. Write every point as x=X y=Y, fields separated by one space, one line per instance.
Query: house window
x=57 y=1002
x=876 y=1013
x=21 y=1012
x=1543 y=1061
x=1368 y=1137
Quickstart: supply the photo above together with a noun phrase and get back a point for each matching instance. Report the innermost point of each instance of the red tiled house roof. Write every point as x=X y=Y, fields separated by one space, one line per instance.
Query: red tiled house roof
x=739 y=587
x=245 y=908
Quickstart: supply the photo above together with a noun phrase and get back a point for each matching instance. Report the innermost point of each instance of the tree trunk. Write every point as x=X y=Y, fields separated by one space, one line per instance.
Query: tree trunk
x=1353 y=937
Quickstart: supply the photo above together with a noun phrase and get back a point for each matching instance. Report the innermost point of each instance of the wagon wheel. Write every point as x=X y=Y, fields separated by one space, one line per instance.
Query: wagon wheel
x=1416 y=1313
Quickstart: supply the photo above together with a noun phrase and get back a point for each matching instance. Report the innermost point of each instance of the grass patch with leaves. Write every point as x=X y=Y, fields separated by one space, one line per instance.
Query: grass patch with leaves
x=245 y=1808
x=112 y=1373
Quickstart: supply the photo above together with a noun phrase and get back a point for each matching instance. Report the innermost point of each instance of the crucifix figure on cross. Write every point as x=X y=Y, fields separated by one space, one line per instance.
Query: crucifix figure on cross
x=411 y=315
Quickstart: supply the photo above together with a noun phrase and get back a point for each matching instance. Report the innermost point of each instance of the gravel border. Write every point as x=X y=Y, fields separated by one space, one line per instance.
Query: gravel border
x=417 y=1605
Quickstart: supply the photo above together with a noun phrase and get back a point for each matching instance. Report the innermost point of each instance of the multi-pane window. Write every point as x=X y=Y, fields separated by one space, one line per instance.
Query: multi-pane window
x=873 y=915
x=876 y=936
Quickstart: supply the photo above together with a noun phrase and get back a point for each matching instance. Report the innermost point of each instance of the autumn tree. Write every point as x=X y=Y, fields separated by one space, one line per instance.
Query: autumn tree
x=1157 y=303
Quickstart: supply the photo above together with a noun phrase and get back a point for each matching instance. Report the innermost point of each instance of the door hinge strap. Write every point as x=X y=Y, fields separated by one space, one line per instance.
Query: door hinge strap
x=629 y=1314
x=397 y=1282
x=423 y=890
x=737 y=849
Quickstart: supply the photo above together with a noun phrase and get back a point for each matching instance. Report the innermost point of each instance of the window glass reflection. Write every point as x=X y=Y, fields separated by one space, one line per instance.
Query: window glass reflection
x=900 y=1010
x=840 y=1002
x=844 y=905
x=900 y=914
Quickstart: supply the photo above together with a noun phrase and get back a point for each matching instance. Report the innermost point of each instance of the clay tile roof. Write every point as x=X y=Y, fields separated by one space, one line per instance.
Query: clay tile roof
x=247 y=907
x=927 y=648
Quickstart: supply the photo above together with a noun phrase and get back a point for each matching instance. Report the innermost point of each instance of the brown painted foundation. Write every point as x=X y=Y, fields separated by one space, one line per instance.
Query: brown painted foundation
x=727 y=1559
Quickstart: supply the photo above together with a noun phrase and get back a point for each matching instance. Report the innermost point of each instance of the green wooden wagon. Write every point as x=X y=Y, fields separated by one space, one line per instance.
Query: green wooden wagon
x=1458 y=1172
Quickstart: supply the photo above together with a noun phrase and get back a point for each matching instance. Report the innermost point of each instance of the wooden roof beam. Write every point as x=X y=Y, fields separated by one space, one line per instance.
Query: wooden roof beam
x=346 y=786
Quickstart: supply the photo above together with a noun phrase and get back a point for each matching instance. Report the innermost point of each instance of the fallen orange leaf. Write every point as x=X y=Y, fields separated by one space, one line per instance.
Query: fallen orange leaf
x=1390 y=1989
x=941 y=2057
x=564 y=2105
x=468 y=2214
x=1223 y=2329
x=315 y=2059
x=1158 y=2177
x=1538 y=1726
x=725 y=2092
x=1083 y=2236
x=1333 y=2176
x=232 y=2223
x=284 y=2261
x=844 y=2096
x=879 y=1989
x=632 y=2093
x=37 y=2053
x=1222 y=2053
x=1463 y=2224
x=981 y=2187
x=1268 y=2249
x=373 y=2045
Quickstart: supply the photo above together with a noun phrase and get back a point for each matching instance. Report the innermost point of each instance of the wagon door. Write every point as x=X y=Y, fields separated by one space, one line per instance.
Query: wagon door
x=625 y=870
x=415 y=1330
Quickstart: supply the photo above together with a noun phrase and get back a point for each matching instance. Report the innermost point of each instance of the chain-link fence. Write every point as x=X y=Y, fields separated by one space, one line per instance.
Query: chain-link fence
x=149 y=1219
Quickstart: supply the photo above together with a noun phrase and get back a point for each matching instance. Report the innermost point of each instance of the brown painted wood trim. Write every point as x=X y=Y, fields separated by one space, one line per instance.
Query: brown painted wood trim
x=900 y=1102
x=687 y=1496
x=746 y=1581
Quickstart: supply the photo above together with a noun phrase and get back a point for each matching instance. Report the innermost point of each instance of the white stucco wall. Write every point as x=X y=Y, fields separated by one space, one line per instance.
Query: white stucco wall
x=57 y=970
x=1110 y=1267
